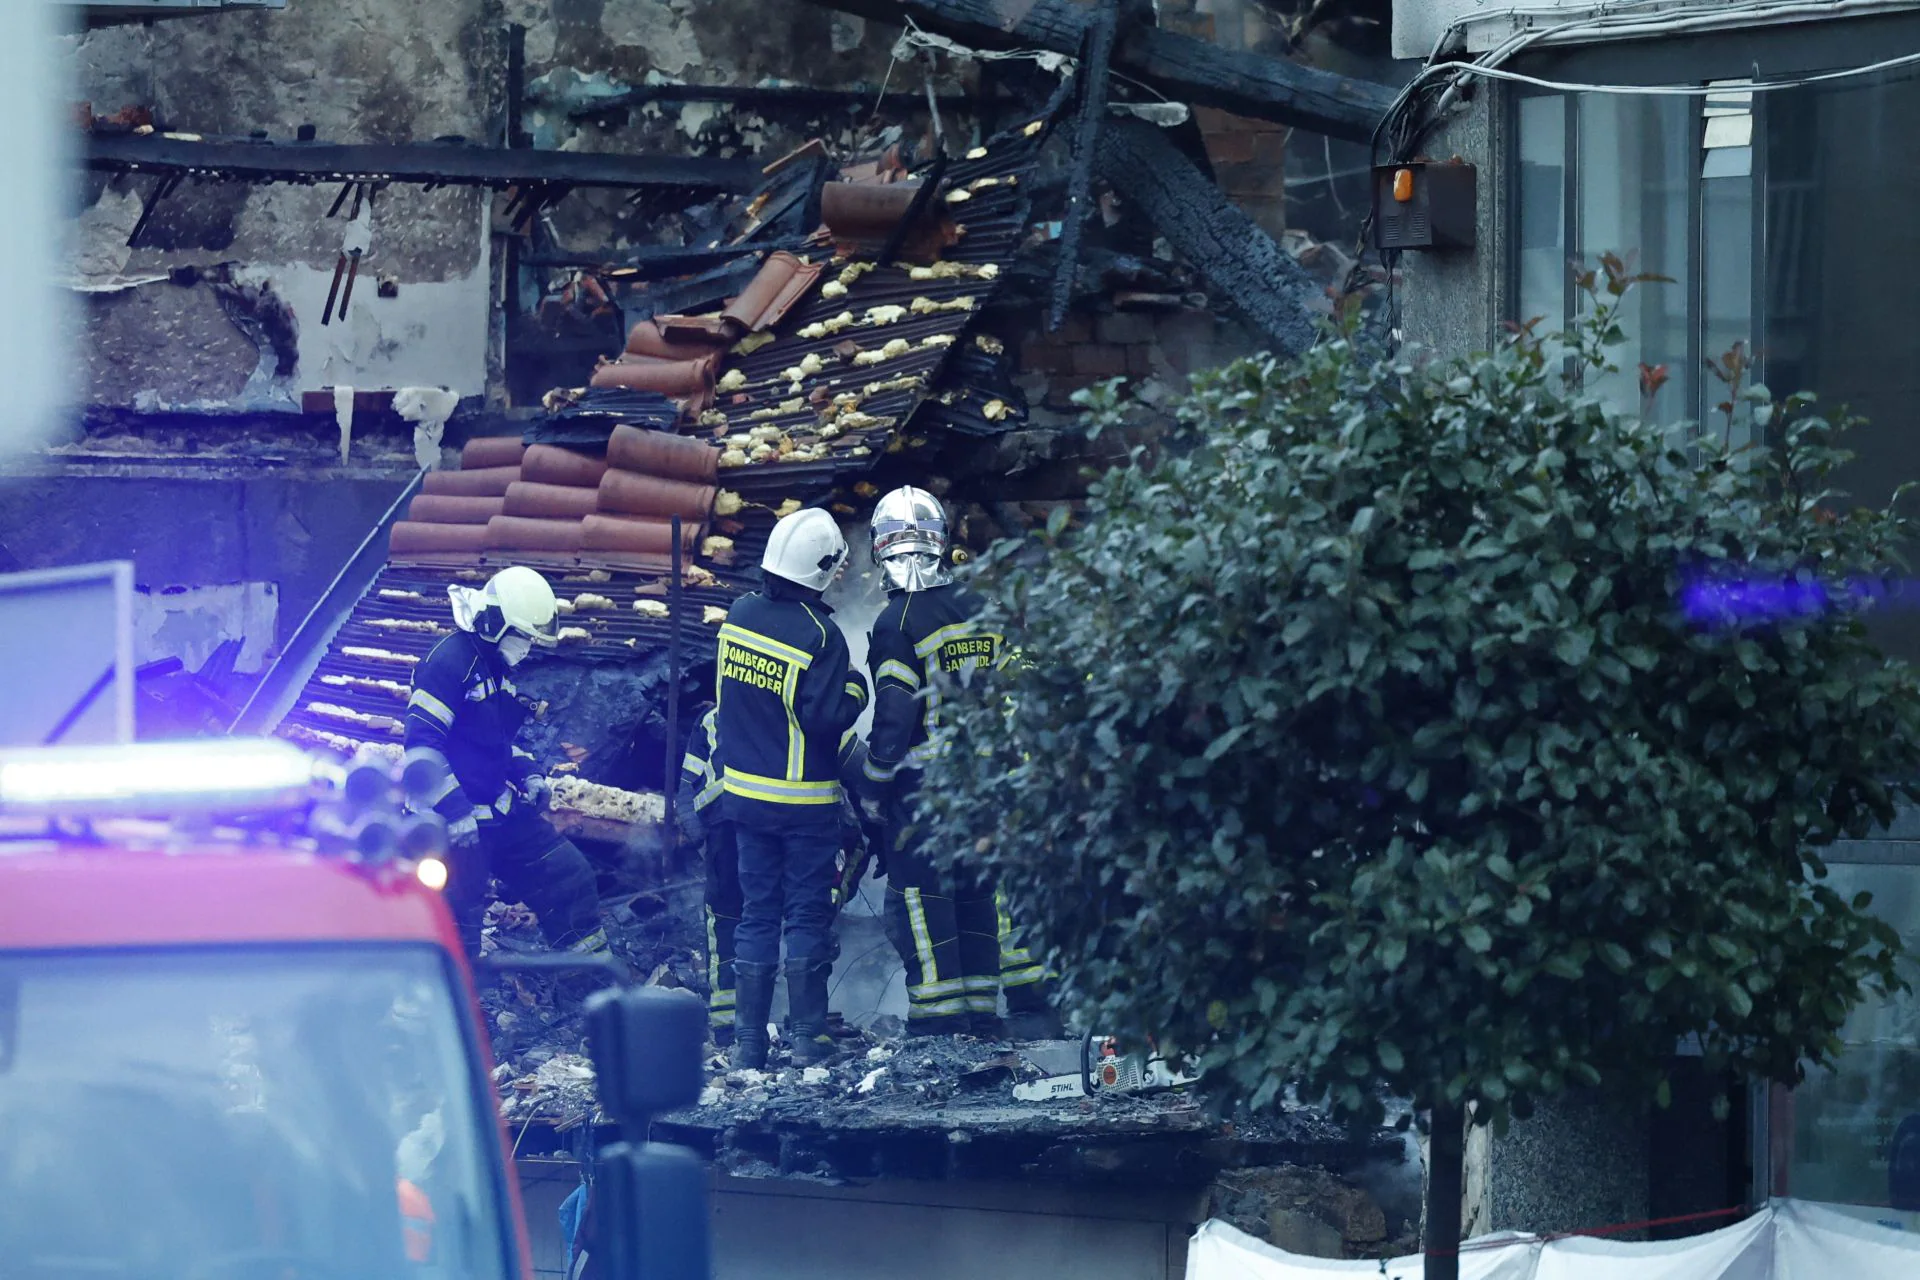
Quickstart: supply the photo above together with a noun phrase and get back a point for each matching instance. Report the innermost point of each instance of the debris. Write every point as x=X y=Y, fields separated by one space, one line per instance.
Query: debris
x=588 y=600
x=369 y=685
x=731 y=380
x=595 y=801
x=715 y=546
x=332 y=711
x=408 y=624
x=651 y=609
x=713 y=615
x=815 y=1075
x=574 y=635
x=870 y=1080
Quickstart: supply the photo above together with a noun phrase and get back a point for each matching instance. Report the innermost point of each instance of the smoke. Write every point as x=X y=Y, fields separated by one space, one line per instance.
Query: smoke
x=34 y=93
x=869 y=981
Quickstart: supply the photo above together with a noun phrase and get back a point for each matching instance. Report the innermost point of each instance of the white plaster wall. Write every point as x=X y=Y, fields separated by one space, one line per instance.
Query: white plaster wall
x=434 y=334
x=190 y=623
x=33 y=95
x=1418 y=24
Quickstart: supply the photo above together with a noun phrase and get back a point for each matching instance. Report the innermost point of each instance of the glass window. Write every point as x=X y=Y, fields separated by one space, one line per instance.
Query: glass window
x=1856 y=1128
x=1726 y=255
x=1544 y=267
x=1842 y=178
x=1635 y=188
x=310 y=1113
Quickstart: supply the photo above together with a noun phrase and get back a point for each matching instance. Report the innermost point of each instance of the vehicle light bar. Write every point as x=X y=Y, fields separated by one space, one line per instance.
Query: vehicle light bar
x=152 y=779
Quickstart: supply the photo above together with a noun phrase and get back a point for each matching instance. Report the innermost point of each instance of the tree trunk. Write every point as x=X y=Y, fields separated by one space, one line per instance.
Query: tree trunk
x=1446 y=1176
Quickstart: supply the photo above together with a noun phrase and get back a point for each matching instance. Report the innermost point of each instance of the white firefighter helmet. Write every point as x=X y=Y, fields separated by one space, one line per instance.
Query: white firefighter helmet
x=910 y=540
x=515 y=601
x=805 y=547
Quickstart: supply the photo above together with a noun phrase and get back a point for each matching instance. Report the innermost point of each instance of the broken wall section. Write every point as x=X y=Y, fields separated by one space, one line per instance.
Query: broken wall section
x=218 y=305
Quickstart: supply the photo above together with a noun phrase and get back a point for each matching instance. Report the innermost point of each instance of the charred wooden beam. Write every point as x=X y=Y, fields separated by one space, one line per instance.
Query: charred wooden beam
x=1194 y=71
x=1092 y=76
x=444 y=164
x=1239 y=259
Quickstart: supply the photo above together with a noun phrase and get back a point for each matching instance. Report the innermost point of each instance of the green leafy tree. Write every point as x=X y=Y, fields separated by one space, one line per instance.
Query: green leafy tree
x=1436 y=730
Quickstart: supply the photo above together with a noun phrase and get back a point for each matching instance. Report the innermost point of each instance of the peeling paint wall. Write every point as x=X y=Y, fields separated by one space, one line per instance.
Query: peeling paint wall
x=190 y=623
x=263 y=257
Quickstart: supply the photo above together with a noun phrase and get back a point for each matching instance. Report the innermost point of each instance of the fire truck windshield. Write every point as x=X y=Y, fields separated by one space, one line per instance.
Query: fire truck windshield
x=244 y=1114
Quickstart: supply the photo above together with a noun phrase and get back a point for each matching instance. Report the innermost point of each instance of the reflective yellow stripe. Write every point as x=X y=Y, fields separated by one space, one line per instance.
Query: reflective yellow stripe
x=1023 y=977
x=984 y=1002
x=694 y=765
x=779 y=790
x=857 y=690
x=895 y=669
x=432 y=706
x=708 y=794
x=922 y=942
x=765 y=644
x=938 y=1009
x=878 y=772
x=713 y=956
x=796 y=740
x=956 y=631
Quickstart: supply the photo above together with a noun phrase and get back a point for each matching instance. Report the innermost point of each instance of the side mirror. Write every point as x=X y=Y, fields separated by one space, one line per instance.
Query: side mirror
x=651 y=1217
x=646 y=1045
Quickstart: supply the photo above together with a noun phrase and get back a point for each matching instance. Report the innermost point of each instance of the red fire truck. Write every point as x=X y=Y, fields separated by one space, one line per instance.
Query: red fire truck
x=238 y=1037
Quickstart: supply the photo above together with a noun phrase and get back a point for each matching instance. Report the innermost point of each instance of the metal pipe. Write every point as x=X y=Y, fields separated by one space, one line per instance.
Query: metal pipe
x=672 y=768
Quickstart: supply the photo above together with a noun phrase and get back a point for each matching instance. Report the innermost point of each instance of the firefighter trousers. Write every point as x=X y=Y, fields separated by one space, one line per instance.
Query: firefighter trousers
x=958 y=943
x=723 y=920
x=786 y=886
x=536 y=865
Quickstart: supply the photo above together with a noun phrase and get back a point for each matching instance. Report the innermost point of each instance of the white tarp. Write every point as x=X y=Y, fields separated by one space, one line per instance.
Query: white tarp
x=1787 y=1240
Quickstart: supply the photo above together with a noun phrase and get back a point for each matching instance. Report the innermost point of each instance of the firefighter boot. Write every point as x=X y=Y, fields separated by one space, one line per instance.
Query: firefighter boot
x=807 y=1011
x=753 y=988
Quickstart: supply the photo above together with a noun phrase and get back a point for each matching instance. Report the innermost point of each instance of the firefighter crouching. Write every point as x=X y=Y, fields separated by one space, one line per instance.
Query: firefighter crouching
x=785 y=696
x=460 y=762
x=951 y=929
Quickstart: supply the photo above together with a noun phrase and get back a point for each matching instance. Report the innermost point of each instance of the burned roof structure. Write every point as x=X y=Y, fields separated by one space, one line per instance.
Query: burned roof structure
x=721 y=420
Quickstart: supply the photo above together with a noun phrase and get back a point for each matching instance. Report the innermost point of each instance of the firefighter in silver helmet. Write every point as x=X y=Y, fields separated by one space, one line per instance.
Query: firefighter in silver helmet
x=951 y=928
x=462 y=717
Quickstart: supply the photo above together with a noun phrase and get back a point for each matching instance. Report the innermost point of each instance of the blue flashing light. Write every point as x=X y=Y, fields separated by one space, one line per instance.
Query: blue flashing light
x=156 y=778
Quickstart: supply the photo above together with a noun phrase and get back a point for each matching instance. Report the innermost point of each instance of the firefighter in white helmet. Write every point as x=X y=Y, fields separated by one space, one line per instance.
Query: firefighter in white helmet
x=786 y=698
x=950 y=927
x=461 y=762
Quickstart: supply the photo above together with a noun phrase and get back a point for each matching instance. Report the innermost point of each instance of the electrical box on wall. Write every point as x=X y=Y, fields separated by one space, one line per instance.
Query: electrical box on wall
x=1423 y=205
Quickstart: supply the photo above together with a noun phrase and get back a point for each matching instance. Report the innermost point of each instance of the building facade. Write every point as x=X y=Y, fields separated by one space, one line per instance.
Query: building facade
x=1762 y=157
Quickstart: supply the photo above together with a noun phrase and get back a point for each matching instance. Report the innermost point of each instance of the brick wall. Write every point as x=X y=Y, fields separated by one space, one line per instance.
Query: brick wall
x=1135 y=345
x=1249 y=156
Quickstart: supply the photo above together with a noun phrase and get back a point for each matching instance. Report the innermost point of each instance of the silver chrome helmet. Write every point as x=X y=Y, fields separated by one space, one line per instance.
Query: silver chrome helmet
x=910 y=540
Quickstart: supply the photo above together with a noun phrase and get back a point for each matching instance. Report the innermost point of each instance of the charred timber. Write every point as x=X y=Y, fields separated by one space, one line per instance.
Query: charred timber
x=1194 y=71
x=428 y=165
x=1239 y=259
x=1086 y=135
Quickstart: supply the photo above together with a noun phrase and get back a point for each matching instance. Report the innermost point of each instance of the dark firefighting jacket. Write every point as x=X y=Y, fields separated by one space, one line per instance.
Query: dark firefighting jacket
x=465 y=709
x=699 y=780
x=920 y=637
x=785 y=698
